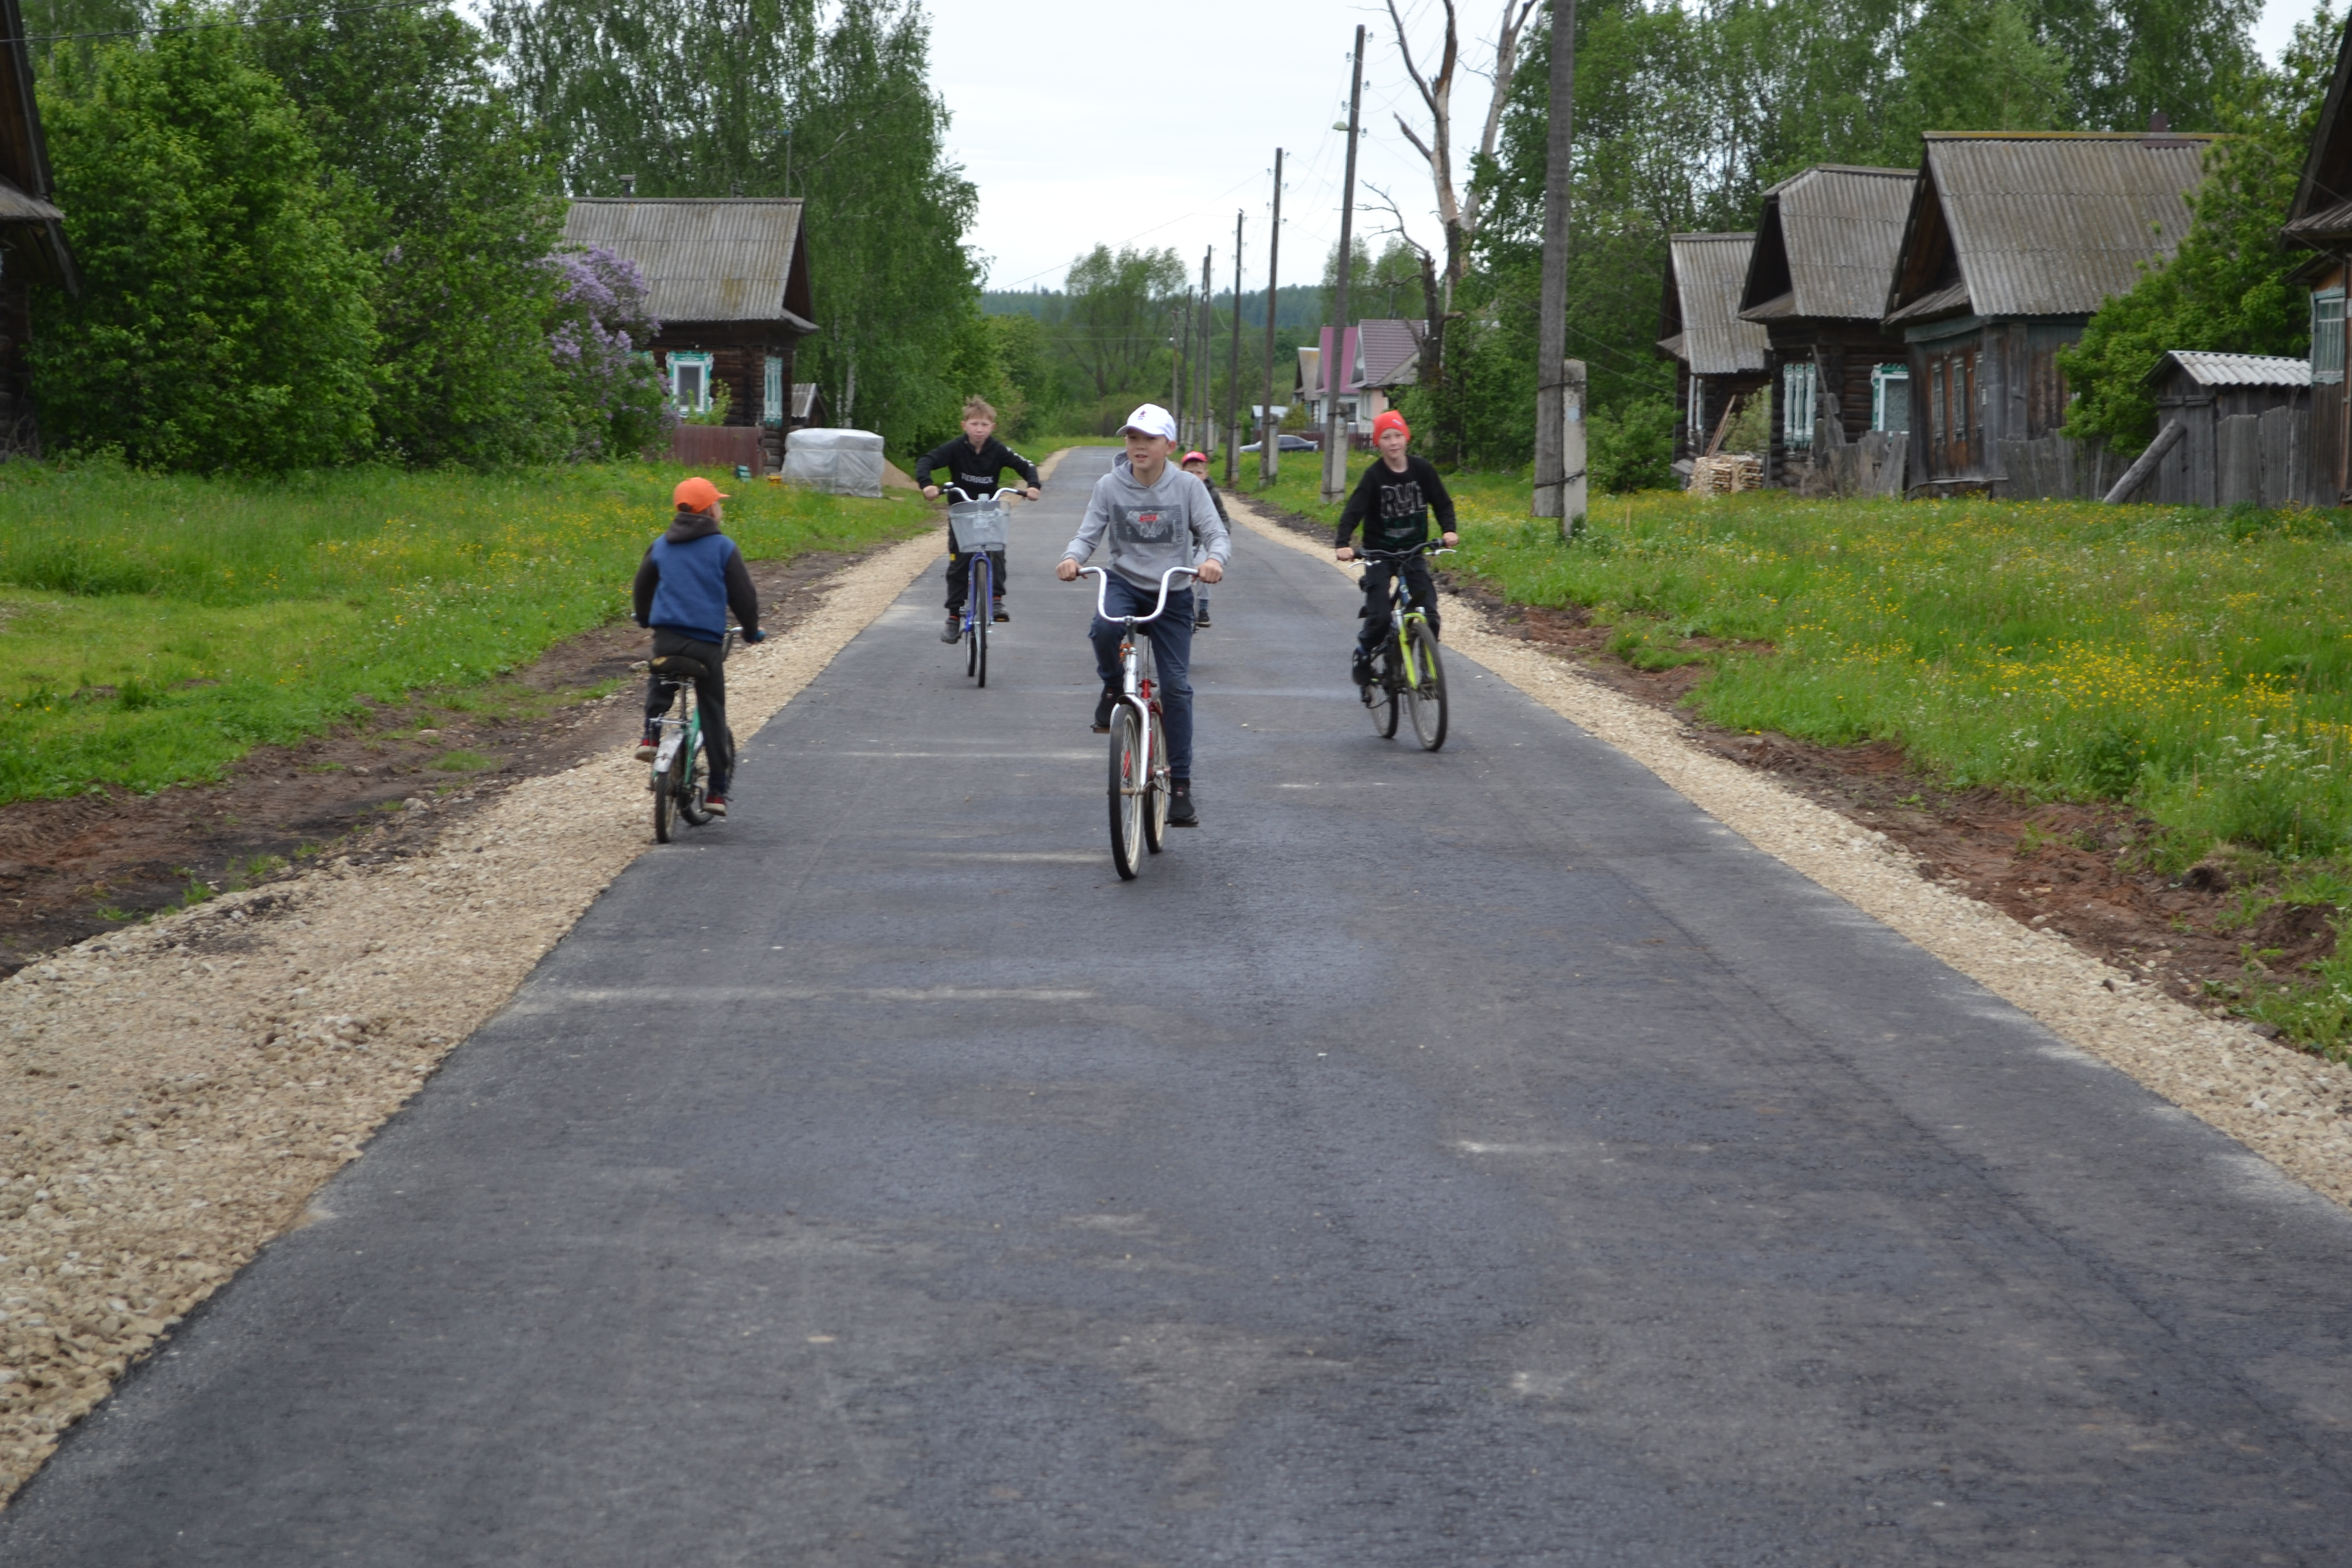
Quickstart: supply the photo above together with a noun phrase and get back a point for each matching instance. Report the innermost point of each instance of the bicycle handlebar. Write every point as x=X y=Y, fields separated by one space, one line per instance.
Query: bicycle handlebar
x=969 y=500
x=1102 y=593
x=1426 y=547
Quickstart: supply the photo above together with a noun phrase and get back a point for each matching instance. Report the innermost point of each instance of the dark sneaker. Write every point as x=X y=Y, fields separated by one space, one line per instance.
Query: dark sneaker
x=1200 y=621
x=1360 y=672
x=714 y=804
x=1002 y=613
x=953 y=632
x=649 y=744
x=1180 y=806
x=1103 y=706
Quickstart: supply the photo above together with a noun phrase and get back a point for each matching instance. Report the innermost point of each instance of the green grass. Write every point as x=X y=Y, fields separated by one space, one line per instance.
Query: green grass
x=153 y=629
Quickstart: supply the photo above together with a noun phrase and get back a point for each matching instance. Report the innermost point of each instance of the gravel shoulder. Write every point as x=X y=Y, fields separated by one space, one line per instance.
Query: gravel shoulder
x=2292 y=1109
x=172 y=1095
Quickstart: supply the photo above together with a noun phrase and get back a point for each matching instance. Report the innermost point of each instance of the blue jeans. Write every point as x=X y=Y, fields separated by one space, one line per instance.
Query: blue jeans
x=1171 y=658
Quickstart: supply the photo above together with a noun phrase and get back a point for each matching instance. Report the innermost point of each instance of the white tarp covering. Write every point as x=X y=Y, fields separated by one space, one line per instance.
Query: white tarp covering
x=845 y=462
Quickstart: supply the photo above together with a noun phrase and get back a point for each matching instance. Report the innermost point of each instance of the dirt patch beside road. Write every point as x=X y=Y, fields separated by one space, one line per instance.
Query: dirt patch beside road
x=2293 y=1109
x=172 y=1095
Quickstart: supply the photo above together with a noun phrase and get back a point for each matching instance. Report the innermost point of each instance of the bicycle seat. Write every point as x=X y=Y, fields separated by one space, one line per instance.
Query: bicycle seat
x=677 y=667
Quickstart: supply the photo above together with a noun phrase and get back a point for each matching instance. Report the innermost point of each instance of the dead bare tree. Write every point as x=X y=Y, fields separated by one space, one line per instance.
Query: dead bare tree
x=1458 y=209
x=1431 y=370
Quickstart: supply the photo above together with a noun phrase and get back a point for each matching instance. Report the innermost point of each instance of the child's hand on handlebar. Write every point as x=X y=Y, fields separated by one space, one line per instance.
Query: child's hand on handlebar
x=1347 y=552
x=1450 y=539
x=1069 y=570
x=1032 y=492
x=1213 y=571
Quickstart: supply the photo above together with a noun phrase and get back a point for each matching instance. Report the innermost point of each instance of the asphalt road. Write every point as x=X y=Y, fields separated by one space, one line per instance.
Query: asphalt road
x=1477 y=1158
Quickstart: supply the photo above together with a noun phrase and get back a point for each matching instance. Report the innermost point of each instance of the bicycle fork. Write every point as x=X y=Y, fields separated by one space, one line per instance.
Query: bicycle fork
x=1138 y=695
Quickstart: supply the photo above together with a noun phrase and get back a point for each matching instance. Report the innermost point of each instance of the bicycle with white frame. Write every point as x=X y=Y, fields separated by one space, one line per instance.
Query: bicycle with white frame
x=1139 y=785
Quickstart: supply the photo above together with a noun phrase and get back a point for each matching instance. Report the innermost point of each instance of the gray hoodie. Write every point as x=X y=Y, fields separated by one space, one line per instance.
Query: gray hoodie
x=1171 y=524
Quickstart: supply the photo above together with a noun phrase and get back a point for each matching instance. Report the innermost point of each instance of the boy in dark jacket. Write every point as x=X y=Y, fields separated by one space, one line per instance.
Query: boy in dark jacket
x=1392 y=502
x=972 y=466
x=691 y=576
x=1197 y=465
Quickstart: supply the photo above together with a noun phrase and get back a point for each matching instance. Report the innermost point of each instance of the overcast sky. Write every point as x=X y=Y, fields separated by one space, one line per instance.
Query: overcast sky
x=1087 y=123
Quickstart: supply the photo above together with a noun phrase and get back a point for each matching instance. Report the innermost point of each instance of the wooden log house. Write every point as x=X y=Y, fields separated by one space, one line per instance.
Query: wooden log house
x=729 y=284
x=1817 y=283
x=31 y=235
x=2244 y=420
x=2320 y=220
x=1717 y=355
x=2013 y=240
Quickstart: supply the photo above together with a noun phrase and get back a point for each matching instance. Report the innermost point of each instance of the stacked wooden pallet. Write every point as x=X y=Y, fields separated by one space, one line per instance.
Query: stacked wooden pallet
x=1726 y=472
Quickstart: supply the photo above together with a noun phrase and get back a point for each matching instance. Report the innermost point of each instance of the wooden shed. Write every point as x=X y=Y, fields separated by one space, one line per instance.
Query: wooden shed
x=2013 y=240
x=1817 y=283
x=2320 y=220
x=31 y=235
x=2244 y=422
x=729 y=285
x=1717 y=355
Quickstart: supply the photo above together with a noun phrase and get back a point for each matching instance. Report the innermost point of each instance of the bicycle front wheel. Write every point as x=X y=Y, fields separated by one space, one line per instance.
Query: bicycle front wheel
x=1427 y=694
x=1155 y=803
x=983 y=606
x=1386 y=679
x=1127 y=792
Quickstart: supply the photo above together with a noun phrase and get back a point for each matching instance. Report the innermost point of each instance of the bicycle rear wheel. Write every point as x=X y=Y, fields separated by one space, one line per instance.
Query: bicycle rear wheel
x=1126 y=802
x=663 y=804
x=1386 y=679
x=1155 y=804
x=693 y=774
x=1427 y=695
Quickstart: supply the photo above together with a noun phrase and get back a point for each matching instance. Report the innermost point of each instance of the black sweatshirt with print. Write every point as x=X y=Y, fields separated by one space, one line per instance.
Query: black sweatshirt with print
x=976 y=472
x=1395 y=508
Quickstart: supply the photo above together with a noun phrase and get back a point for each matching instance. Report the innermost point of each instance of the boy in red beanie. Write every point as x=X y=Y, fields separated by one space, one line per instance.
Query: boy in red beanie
x=1392 y=502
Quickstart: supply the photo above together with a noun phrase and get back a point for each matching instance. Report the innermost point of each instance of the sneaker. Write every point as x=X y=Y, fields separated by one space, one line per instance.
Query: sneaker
x=1180 y=806
x=953 y=631
x=1200 y=621
x=1002 y=613
x=1360 y=672
x=1103 y=706
x=714 y=804
x=649 y=745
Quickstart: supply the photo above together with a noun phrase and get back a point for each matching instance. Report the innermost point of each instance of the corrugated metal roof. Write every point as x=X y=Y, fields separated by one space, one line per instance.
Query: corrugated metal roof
x=1840 y=226
x=1709 y=272
x=2206 y=369
x=1388 y=352
x=2054 y=223
x=16 y=206
x=704 y=260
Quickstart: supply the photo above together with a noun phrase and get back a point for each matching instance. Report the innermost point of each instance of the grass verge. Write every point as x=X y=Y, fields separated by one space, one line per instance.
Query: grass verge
x=153 y=629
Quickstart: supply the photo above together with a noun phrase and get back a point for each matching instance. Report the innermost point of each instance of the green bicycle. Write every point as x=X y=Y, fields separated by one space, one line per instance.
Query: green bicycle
x=1407 y=672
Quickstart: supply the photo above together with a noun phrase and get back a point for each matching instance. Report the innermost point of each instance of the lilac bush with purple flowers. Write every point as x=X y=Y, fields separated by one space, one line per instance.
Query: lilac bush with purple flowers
x=600 y=338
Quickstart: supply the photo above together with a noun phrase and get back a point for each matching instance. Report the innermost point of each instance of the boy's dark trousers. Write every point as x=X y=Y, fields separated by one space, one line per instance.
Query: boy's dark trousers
x=1418 y=588
x=1172 y=659
x=960 y=576
x=709 y=693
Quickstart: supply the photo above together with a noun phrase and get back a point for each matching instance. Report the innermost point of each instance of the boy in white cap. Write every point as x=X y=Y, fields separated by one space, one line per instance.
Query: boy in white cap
x=1156 y=516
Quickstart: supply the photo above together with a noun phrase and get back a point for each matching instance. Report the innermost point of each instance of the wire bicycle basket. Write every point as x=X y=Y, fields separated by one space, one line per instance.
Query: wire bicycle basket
x=979 y=524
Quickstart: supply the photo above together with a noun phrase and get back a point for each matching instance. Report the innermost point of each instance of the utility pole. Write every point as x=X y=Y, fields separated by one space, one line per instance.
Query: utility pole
x=1560 y=383
x=1205 y=422
x=1234 y=370
x=1334 y=375
x=1269 y=439
x=1179 y=329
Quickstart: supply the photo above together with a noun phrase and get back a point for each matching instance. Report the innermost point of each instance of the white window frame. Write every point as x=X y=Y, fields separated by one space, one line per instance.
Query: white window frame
x=1799 y=379
x=707 y=361
x=772 y=407
x=1881 y=378
x=2327 y=336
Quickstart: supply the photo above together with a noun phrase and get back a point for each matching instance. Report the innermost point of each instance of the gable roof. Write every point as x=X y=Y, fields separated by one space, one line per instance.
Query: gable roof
x=1388 y=352
x=1701 y=324
x=2233 y=369
x=2039 y=223
x=706 y=260
x=32 y=230
x=2322 y=208
x=1825 y=248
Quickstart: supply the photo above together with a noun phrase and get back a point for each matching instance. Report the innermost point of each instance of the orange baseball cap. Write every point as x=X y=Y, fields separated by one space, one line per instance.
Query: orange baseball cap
x=697 y=494
x=1195 y=458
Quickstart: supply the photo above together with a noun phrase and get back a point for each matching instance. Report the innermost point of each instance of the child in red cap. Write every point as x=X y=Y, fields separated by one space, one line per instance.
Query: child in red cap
x=1197 y=465
x=691 y=576
x=1392 y=502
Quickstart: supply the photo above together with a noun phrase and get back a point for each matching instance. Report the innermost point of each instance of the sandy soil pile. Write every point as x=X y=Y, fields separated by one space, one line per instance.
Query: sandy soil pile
x=2293 y=1109
x=171 y=1096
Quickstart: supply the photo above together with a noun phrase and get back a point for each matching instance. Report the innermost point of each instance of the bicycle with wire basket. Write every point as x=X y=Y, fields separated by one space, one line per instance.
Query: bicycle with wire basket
x=979 y=525
x=1407 y=671
x=681 y=775
x=1139 y=785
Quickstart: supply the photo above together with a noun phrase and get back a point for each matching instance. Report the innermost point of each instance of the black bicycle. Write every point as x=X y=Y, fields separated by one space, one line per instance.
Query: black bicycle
x=1407 y=671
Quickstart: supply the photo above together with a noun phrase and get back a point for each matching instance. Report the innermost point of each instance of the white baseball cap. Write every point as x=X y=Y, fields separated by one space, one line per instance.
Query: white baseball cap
x=1152 y=420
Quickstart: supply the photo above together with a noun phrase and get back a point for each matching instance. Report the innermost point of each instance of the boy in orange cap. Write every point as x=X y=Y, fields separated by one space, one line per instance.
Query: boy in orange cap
x=691 y=576
x=1393 y=501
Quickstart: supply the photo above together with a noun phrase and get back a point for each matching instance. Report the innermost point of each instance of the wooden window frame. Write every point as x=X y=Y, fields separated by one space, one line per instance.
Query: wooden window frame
x=707 y=362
